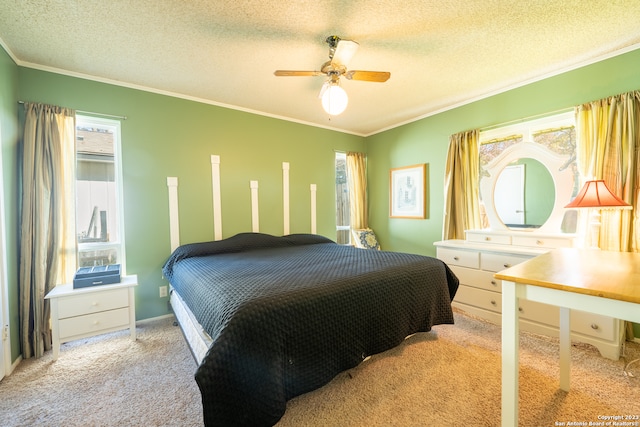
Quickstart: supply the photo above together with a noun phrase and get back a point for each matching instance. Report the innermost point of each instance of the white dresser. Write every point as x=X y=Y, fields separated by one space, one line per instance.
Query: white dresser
x=84 y=312
x=476 y=259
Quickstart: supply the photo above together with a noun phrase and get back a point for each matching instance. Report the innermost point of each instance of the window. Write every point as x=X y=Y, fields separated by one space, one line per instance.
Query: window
x=556 y=133
x=99 y=227
x=342 y=201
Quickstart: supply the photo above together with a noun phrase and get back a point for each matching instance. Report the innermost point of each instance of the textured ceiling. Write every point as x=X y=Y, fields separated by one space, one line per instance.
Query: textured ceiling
x=440 y=53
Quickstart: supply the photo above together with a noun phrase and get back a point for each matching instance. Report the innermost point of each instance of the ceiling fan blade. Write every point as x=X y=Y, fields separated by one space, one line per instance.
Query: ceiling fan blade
x=344 y=52
x=289 y=73
x=368 y=76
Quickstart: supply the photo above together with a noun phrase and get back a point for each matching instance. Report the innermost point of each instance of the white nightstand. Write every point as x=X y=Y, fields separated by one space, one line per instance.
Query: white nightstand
x=85 y=312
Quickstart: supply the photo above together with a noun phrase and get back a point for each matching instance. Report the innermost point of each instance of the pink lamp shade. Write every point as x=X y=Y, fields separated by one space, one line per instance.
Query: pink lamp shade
x=596 y=194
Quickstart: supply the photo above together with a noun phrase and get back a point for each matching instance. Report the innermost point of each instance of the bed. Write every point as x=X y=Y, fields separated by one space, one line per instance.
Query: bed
x=271 y=317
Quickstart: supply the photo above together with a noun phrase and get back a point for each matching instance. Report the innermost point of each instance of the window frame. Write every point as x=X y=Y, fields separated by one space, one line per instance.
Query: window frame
x=119 y=244
x=339 y=228
x=527 y=128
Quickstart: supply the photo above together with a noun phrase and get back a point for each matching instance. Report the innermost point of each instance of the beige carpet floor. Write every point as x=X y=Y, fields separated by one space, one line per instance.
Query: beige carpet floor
x=448 y=377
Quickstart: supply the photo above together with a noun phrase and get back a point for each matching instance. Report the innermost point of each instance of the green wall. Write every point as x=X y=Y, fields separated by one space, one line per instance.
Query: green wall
x=9 y=153
x=165 y=136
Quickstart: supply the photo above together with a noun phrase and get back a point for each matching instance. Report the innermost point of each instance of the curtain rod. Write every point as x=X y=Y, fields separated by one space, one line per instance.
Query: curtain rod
x=94 y=114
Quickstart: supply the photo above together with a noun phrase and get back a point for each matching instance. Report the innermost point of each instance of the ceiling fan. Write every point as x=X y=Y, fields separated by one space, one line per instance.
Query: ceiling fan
x=334 y=98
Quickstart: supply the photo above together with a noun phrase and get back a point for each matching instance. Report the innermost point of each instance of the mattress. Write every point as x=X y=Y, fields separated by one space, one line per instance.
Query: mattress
x=197 y=338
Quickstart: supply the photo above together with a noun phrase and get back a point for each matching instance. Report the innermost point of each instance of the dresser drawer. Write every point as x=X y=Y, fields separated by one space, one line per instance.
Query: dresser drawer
x=498 y=262
x=539 y=312
x=92 y=302
x=542 y=242
x=91 y=323
x=500 y=239
x=461 y=258
x=488 y=282
x=593 y=325
x=466 y=276
x=477 y=278
x=481 y=298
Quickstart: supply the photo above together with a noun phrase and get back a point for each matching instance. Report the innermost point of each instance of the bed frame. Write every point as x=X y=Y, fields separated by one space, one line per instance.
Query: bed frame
x=197 y=338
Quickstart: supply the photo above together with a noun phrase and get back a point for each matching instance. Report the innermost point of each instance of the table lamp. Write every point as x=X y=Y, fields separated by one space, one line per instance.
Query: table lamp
x=595 y=195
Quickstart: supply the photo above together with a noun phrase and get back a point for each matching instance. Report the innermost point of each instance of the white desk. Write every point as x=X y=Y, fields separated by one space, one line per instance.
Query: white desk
x=600 y=282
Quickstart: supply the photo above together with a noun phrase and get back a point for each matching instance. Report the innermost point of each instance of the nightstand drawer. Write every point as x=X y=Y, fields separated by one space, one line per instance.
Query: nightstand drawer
x=93 y=302
x=92 y=323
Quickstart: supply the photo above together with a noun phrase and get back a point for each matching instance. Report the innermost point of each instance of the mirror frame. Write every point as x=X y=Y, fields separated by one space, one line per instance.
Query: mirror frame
x=562 y=180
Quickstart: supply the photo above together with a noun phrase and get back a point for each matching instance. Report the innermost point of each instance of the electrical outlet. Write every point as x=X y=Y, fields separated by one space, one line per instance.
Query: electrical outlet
x=163 y=291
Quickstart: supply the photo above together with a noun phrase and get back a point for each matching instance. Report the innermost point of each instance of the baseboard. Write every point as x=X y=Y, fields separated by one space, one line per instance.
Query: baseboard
x=153 y=319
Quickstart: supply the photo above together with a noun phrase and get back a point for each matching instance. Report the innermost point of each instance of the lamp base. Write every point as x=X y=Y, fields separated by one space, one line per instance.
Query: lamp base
x=594 y=228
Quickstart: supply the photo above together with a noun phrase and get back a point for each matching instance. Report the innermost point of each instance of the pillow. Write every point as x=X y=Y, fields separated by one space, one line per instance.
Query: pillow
x=365 y=239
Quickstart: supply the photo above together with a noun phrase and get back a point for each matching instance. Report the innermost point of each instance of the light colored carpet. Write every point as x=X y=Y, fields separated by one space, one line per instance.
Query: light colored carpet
x=450 y=376
x=107 y=381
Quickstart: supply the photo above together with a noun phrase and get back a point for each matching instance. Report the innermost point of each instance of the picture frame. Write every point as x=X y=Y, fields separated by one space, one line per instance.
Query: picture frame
x=407 y=192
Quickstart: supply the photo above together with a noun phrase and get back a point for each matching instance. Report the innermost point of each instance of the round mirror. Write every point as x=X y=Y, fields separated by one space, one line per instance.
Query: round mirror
x=524 y=194
x=543 y=182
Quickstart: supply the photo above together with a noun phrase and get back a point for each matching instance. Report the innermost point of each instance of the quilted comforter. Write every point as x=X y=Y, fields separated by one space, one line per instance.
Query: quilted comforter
x=287 y=314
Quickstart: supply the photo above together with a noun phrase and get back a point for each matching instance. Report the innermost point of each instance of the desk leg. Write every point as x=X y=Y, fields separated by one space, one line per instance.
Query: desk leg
x=565 y=347
x=510 y=349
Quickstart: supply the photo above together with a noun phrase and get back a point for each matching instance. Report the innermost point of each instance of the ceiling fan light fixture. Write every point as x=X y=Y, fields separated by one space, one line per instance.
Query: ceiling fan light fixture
x=334 y=99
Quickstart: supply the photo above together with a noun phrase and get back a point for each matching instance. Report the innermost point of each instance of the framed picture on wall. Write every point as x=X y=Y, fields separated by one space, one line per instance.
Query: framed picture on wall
x=407 y=192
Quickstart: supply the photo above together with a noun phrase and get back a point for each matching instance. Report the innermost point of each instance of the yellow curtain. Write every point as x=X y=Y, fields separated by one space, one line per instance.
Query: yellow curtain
x=357 y=181
x=462 y=210
x=47 y=230
x=608 y=148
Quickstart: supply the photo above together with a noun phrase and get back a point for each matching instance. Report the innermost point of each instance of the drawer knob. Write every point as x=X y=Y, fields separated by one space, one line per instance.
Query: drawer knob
x=493 y=302
x=488 y=239
x=540 y=242
x=594 y=327
x=520 y=309
x=456 y=258
x=506 y=265
x=494 y=283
